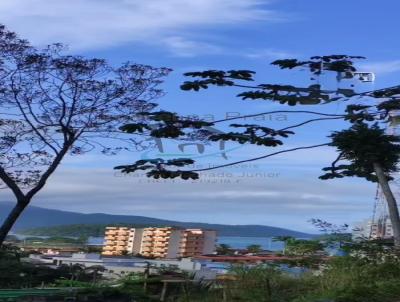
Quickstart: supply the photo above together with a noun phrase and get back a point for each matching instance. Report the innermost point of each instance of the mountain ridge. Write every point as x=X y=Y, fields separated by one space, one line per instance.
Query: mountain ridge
x=38 y=217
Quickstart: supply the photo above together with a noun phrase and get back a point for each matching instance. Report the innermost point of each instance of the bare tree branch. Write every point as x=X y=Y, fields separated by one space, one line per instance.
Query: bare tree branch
x=10 y=183
x=278 y=111
x=260 y=157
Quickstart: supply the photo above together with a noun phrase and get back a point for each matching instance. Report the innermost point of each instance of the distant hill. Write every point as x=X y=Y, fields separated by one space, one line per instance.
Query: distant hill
x=36 y=217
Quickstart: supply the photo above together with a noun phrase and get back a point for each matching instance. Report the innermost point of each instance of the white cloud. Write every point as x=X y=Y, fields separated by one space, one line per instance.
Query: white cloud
x=269 y=54
x=228 y=194
x=87 y=24
x=384 y=67
x=181 y=47
x=285 y=201
x=314 y=196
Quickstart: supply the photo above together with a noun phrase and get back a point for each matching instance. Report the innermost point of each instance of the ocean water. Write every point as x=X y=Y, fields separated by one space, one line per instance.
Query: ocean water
x=235 y=242
x=267 y=243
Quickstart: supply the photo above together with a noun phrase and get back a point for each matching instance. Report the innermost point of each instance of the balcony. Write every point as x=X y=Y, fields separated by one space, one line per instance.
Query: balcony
x=159 y=247
x=190 y=247
x=162 y=233
x=111 y=233
x=122 y=237
x=193 y=244
x=190 y=241
x=123 y=234
x=162 y=238
x=147 y=237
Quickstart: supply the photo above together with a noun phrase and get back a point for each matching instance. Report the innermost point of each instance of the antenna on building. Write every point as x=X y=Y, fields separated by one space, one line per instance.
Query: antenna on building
x=364 y=76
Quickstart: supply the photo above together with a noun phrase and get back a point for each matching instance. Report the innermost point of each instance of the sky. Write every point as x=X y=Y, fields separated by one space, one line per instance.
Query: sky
x=196 y=35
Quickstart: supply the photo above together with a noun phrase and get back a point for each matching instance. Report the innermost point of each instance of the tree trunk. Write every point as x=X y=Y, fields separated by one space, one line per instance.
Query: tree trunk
x=11 y=219
x=24 y=199
x=391 y=202
x=94 y=276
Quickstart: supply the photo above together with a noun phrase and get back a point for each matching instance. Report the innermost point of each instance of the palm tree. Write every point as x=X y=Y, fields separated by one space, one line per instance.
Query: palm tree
x=75 y=271
x=254 y=248
x=224 y=249
x=94 y=270
x=285 y=239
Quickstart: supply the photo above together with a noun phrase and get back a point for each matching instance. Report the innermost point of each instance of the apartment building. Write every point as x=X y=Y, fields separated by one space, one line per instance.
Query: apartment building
x=118 y=241
x=156 y=242
x=193 y=242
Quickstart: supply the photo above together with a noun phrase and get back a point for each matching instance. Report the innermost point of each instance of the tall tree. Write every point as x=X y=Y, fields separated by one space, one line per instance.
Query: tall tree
x=254 y=248
x=224 y=249
x=286 y=94
x=366 y=151
x=52 y=105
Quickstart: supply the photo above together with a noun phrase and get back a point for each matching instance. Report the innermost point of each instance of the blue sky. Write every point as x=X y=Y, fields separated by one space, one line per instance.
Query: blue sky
x=218 y=34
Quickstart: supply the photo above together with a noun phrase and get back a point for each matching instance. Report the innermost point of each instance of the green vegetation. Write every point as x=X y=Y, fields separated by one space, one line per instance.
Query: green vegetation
x=341 y=279
x=369 y=273
x=12 y=295
x=224 y=249
x=97 y=229
x=15 y=273
x=301 y=247
x=254 y=248
x=354 y=279
x=55 y=240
